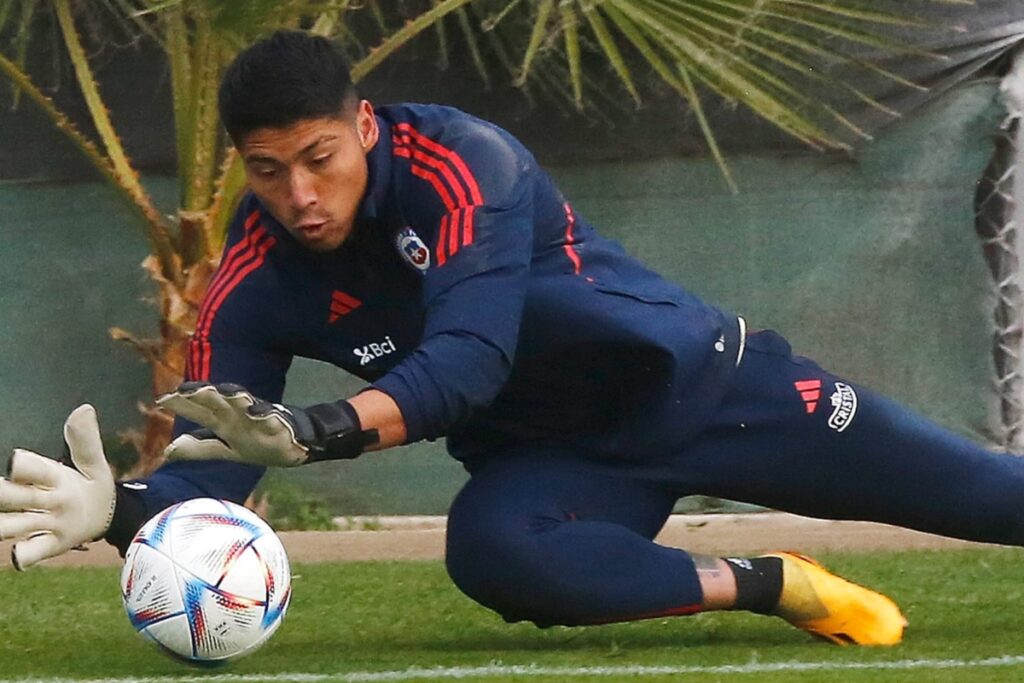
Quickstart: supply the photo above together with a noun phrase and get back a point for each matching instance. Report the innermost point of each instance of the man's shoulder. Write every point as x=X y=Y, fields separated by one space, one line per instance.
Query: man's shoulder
x=474 y=148
x=249 y=216
x=246 y=276
x=426 y=115
x=255 y=232
x=444 y=124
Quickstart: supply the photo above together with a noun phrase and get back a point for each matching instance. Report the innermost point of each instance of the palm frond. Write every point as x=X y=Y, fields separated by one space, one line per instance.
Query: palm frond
x=125 y=174
x=473 y=44
x=611 y=50
x=403 y=35
x=799 y=64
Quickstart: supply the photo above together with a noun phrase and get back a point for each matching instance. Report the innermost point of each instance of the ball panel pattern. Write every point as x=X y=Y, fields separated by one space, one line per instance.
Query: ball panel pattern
x=207 y=580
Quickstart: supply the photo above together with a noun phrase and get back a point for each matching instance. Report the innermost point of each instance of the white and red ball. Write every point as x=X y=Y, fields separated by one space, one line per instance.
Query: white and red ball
x=206 y=580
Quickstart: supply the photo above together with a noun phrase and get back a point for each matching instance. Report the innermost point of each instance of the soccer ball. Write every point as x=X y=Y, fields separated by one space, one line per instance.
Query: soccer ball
x=206 y=580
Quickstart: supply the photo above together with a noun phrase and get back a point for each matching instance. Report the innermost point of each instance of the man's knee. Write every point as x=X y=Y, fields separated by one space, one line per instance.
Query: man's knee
x=492 y=559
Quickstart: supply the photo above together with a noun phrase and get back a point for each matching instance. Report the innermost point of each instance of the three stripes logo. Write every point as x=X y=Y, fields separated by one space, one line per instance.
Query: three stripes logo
x=342 y=304
x=810 y=392
x=447 y=172
x=245 y=257
x=843 y=399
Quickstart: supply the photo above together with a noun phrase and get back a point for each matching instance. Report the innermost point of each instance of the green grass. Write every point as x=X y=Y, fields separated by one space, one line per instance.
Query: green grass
x=392 y=616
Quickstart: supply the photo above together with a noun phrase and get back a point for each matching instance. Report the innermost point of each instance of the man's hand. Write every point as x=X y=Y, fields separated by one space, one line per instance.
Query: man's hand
x=242 y=428
x=56 y=507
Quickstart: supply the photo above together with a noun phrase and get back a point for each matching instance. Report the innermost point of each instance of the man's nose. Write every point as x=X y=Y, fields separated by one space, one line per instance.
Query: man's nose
x=302 y=189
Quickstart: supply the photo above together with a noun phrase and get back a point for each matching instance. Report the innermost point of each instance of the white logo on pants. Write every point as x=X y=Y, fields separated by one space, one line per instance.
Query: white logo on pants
x=844 y=407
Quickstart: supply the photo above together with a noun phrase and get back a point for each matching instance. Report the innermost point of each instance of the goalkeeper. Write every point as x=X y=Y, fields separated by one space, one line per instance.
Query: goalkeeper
x=425 y=251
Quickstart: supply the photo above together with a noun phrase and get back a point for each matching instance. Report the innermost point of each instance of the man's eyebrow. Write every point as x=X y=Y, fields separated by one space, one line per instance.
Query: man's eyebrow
x=320 y=140
x=260 y=158
x=257 y=158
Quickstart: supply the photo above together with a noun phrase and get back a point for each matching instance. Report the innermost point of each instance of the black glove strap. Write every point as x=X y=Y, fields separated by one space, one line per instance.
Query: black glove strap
x=129 y=516
x=339 y=434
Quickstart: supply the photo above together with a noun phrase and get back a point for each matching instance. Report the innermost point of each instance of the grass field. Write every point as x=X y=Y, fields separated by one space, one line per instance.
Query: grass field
x=380 y=621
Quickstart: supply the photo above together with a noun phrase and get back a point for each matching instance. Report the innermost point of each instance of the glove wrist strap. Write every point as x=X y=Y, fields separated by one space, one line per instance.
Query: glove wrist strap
x=129 y=516
x=339 y=433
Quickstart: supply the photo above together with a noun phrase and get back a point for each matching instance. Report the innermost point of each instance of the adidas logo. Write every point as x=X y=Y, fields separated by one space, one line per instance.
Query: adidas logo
x=810 y=392
x=342 y=304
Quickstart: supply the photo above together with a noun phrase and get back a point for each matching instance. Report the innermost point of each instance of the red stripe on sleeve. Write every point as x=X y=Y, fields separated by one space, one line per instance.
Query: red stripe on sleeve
x=442 y=239
x=261 y=253
x=570 y=222
x=453 y=181
x=457 y=162
x=467 y=226
x=251 y=219
x=433 y=179
x=426 y=160
x=243 y=244
x=453 y=232
x=236 y=255
x=234 y=269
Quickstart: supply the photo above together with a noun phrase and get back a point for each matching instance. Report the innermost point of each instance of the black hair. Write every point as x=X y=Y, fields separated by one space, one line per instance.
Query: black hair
x=284 y=78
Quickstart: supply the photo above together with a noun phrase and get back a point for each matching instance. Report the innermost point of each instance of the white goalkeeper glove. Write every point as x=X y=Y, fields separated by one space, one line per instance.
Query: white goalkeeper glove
x=243 y=428
x=56 y=507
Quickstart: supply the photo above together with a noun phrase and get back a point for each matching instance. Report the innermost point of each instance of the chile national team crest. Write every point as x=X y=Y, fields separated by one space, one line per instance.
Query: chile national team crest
x=413 y=250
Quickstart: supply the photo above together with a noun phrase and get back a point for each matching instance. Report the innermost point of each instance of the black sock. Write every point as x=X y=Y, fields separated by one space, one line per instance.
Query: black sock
x=758 y=583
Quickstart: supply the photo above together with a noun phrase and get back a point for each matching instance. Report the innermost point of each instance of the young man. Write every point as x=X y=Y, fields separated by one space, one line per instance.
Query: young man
x=425 y=251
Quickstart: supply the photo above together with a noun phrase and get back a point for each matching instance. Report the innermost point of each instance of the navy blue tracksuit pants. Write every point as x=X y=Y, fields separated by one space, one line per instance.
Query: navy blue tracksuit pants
x=556 y=537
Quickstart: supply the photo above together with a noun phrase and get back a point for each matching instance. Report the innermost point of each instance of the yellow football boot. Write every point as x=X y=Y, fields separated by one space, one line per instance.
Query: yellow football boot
x=830 y=607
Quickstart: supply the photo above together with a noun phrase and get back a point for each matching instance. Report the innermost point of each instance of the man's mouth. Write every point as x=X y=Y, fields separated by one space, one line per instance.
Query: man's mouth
x=311 y=229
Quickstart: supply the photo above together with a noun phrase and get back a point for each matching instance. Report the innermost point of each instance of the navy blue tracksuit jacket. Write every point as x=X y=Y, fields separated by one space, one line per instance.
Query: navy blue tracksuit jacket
x=475 y=296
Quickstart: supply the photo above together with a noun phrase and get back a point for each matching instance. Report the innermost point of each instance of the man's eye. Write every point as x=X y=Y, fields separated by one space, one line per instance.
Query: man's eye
x=321 y=160
x=266 y=172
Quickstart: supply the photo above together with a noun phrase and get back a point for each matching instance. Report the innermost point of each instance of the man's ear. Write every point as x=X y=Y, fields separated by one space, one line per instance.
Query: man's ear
x=366 y=125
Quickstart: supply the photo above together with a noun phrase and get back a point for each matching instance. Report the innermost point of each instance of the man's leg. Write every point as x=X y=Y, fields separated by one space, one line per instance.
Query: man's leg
x=556 y=539
x=793 y=437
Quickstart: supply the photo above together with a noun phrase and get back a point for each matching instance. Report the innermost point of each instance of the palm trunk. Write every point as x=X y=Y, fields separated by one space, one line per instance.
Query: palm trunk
x=179 y=308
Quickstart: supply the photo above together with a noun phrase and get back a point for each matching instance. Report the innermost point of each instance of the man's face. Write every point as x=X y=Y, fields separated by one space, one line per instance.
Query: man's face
x=312 y=174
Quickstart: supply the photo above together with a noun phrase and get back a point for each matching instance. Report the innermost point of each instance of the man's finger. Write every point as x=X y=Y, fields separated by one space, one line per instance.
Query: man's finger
x=240 y=401
x=271 y=422
x=34 y=469
x=186 y=388
x=188 y=447
x=183 y=405
x=193 y=386
x=39 y=547
x=225 y=402
x=17 y=524
x=16 y=497
x=82 y=435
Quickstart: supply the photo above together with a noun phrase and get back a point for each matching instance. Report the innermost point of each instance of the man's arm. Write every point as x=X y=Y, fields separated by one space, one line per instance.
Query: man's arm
x=379 y=411
x=69 y=503
x=474 y=292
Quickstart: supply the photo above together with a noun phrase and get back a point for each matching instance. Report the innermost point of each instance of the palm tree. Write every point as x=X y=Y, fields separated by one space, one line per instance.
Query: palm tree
x=766 y=55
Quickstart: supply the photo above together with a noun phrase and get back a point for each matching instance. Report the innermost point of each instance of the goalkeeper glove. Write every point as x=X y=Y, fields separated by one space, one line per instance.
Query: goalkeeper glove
x=53 y=506
x=243 y=428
